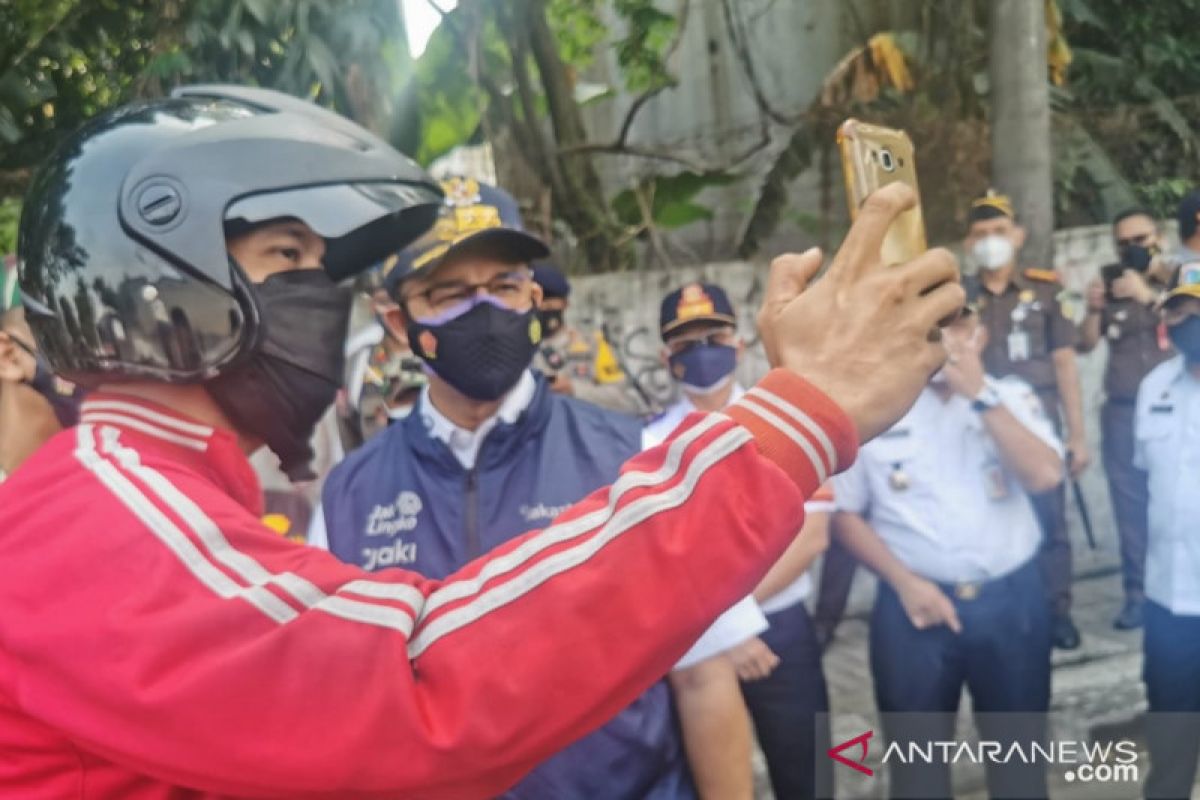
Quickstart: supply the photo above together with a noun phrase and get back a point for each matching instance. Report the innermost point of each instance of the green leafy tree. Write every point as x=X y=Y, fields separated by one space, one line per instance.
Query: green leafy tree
x=509 y=72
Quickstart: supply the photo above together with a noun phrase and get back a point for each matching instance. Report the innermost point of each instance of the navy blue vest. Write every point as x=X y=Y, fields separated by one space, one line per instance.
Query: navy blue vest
x=404 y=500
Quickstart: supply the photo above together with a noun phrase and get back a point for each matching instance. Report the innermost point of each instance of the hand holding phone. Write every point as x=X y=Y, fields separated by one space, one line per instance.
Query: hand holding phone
x=874 y=156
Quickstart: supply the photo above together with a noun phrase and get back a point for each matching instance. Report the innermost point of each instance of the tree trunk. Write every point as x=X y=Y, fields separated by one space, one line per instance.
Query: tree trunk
x=1021 y=121
x=579 y=196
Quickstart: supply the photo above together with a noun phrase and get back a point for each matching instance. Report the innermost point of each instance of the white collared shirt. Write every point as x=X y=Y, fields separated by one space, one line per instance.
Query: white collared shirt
x=936 y=492
x=658 y=429
x=463 y=443
x=1167 y=446
x=661 y=427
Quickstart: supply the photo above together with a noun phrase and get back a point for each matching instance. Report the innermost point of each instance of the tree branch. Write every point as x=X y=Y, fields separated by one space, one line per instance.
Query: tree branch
x=737 y=38
x=681 y=18
x=618 y=149
x=527 y=138
x=645 y=201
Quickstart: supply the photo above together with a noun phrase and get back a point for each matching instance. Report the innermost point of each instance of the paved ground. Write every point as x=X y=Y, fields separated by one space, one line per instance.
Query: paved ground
x=1097 y=689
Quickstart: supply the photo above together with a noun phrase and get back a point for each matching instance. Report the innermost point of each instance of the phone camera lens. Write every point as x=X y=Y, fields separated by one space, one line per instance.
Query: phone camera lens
x=886 y=161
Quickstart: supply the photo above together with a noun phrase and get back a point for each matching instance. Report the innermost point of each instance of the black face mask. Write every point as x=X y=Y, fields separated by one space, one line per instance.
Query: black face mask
x=481 y=352
x=552 y=321
x=1136 y=257
x=282 y=391
x=63 y=396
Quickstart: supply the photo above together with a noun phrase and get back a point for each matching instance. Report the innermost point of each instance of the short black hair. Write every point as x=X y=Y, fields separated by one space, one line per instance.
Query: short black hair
x=1189 y=206
x=1134 y=211
x=981 y=213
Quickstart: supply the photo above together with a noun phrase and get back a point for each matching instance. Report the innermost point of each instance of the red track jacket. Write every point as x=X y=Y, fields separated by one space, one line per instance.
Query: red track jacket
x=154 y=635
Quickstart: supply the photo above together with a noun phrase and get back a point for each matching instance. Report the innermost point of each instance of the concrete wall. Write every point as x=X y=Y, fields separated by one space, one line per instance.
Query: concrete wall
x=711 y=115
x=628 y=304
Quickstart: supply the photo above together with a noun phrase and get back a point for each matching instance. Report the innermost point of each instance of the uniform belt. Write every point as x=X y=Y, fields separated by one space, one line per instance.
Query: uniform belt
x=1121 y=401
x=969 y=591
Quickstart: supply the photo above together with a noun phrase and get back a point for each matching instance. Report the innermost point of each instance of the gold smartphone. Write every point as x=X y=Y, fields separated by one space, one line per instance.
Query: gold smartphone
x=874 y=156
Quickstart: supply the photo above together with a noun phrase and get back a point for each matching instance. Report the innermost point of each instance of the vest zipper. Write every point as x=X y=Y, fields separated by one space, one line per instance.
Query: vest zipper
x=471 y=515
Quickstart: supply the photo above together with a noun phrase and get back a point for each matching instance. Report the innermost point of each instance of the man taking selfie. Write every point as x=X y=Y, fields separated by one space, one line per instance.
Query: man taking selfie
x=181 y=257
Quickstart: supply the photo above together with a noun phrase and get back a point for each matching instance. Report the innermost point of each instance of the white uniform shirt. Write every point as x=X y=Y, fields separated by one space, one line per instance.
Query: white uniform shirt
x=935 y=491
x=1167 y=446
x=744 y=620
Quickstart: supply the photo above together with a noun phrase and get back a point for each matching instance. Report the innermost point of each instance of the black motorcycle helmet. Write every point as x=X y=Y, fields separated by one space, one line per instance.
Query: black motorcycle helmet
x=121 y=246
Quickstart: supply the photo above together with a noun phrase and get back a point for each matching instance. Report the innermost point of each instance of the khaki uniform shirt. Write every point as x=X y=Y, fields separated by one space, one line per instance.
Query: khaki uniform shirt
x=1026 y=323
x=572 y=354
x=1135 y=344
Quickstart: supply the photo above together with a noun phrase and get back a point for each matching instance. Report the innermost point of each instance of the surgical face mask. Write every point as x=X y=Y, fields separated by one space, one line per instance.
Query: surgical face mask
x=993 y=251
x=1185 y=336
x=480 y=347
x=281 y=392
x=704 y=368
x=64 y=397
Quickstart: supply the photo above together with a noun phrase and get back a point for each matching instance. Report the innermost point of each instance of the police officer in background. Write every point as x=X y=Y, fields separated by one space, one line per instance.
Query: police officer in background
x=573 y=365
x=1122 y=311
x=1031 y=335
x=1167 y=435
x=937 y=508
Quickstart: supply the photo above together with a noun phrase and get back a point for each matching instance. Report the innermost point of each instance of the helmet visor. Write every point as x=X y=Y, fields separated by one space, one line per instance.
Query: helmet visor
x=361 y=223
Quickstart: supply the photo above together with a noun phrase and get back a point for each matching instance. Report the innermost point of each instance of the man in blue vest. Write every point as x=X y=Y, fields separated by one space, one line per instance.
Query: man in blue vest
x=489 y=453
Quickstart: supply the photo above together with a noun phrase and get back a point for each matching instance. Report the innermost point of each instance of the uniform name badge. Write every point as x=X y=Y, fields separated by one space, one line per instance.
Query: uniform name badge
x=996 y=481
x=1018 y=346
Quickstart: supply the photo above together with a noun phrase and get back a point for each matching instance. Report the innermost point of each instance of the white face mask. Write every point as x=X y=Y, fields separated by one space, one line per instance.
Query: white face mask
x=993 y=252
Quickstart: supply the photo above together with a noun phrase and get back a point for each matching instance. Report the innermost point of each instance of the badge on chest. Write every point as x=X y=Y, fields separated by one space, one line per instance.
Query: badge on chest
x=995 y=480
x=1018 y=338
x=1018 y=346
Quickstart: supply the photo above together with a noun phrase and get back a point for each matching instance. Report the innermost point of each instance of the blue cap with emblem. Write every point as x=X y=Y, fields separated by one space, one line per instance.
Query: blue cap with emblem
x=1186 y=283
x=694 y=302
x=475 y=217
x=553 y=282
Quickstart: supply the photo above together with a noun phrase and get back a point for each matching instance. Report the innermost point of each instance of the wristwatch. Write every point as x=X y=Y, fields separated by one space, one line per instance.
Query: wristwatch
x=987 y=398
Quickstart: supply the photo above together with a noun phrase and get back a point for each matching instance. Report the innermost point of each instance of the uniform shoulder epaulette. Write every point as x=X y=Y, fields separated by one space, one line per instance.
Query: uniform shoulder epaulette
x=1043 y=275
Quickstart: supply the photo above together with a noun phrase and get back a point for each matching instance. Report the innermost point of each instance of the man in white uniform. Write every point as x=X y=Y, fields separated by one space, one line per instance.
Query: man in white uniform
x=781 y=678
x=1167 y=446
x=938 y=507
